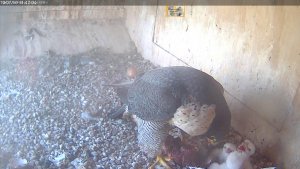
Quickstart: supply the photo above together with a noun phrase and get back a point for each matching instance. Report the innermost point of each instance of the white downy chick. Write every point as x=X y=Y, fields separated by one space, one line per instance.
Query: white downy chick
x=218 y=166
x=226 y=150
x=220 y=154
x=238 y=158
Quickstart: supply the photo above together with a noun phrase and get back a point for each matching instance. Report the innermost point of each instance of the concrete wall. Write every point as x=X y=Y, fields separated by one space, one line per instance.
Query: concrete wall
x=252 y=50
x=32 y=31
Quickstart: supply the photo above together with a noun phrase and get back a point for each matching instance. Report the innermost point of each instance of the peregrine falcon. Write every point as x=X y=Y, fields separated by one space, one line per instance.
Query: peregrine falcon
x=182 y=96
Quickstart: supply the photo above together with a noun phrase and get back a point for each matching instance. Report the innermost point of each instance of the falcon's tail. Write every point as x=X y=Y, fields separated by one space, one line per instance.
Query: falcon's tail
x=118 y=112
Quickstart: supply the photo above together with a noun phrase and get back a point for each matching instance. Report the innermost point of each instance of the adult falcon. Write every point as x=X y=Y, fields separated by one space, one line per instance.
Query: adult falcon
x=182 y=96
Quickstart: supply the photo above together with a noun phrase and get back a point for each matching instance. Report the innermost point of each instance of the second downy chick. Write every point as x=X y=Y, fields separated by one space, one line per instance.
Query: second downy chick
x=220 y=155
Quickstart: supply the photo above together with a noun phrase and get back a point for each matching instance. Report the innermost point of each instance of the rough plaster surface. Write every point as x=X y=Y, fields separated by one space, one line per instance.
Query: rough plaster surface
x=140 y=23
x=31 y=32
x=290 y=135
x=252 y=50
x=65 y=37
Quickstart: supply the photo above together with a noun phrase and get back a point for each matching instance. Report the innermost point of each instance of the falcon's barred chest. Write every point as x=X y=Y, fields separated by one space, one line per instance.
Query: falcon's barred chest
x=151 y=135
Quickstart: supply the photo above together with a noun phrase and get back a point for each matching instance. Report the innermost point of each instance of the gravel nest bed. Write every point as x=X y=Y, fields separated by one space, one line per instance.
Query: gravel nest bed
x=53 y=112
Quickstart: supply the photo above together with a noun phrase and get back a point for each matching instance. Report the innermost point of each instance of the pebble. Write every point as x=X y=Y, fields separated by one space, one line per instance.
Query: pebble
x=48 y=109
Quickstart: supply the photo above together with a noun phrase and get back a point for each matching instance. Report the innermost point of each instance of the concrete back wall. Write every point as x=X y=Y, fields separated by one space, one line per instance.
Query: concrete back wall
x=33 y=31
x=252 y=50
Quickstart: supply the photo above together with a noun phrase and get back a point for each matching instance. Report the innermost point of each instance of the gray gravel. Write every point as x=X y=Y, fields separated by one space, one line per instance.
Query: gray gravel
x=53 y=112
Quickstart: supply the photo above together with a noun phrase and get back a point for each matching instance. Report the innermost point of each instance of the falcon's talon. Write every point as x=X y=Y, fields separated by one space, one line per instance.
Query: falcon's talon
x=162 y=161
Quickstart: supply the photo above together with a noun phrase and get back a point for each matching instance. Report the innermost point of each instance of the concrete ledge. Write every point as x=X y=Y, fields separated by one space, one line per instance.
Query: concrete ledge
x=68 y=37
